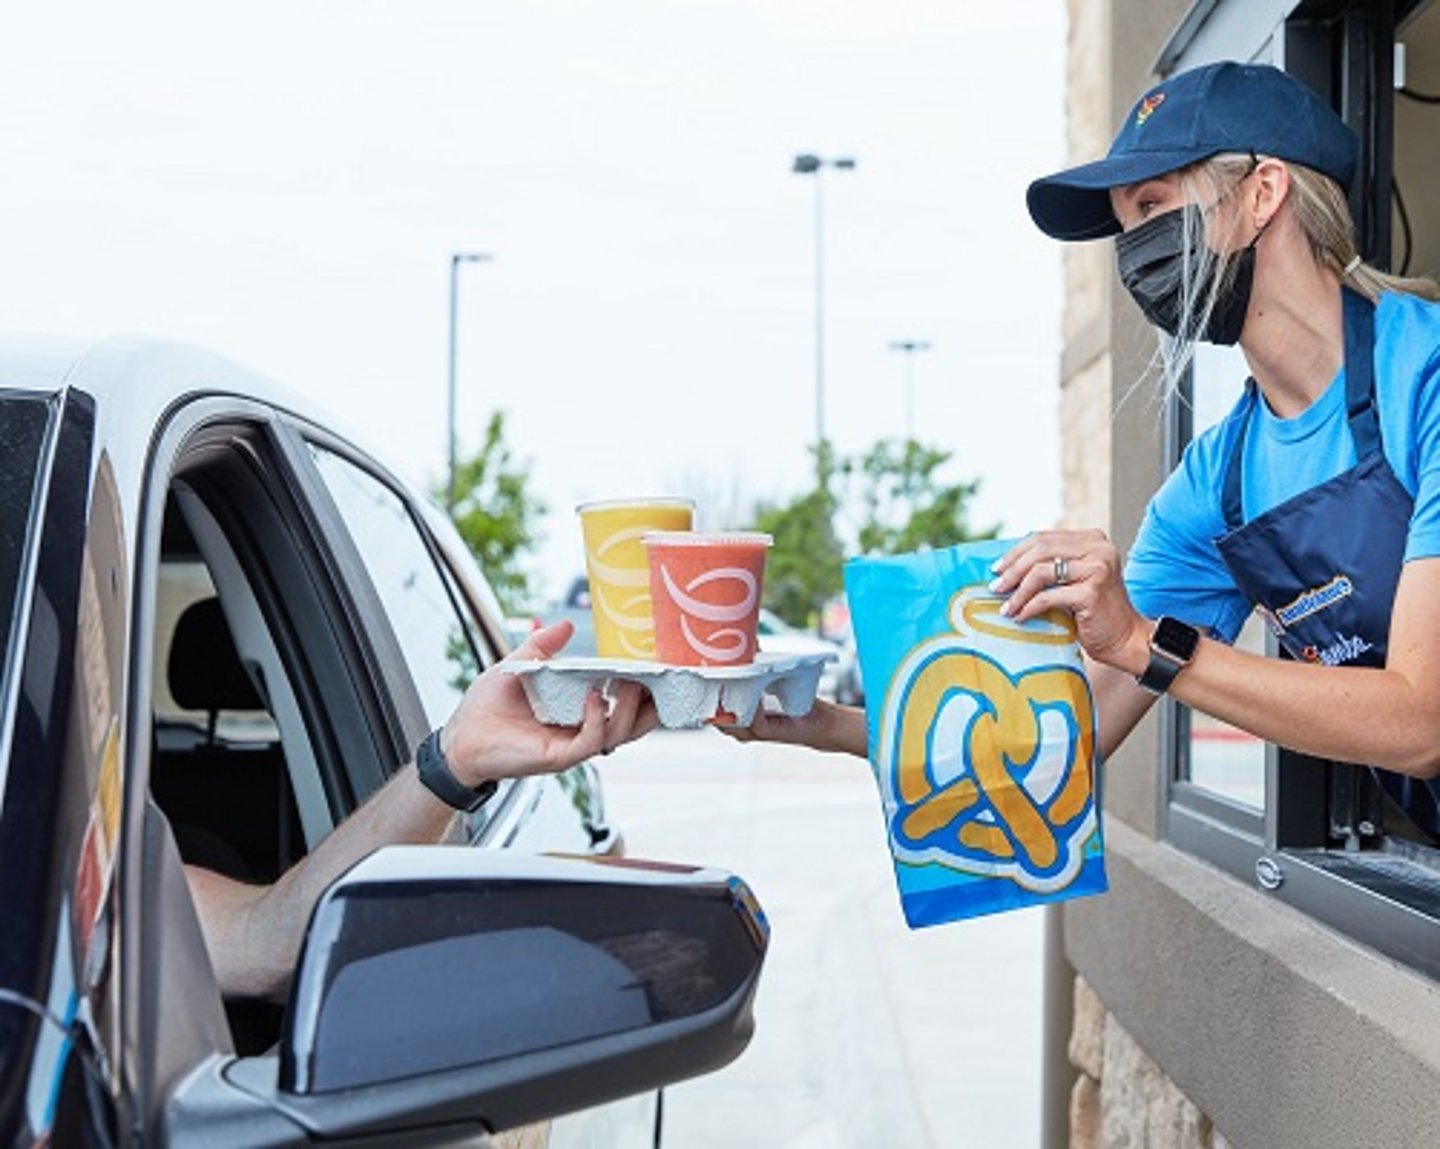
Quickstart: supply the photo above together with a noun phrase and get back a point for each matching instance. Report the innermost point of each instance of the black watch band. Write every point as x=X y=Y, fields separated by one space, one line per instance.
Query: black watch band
x=1172 y=646
x=440 y=780
x=1160 y=673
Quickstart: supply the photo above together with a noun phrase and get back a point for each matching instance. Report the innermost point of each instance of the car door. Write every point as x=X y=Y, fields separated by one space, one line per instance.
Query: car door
x=321 y=583
x=259 y=713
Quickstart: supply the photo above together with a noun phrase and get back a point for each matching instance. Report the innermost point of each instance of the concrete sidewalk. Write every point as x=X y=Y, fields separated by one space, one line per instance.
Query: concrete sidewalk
x=867 y=1034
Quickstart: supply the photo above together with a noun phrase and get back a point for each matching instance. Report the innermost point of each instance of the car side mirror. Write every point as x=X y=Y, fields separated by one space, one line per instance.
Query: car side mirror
x=451 y=984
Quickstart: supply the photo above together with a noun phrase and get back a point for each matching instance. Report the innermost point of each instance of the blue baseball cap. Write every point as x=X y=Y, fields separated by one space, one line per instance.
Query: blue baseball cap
x=1225 y=107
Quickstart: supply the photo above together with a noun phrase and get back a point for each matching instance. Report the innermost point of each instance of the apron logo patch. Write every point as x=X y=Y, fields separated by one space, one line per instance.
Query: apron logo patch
x=1346 y=649
x=1314 y=601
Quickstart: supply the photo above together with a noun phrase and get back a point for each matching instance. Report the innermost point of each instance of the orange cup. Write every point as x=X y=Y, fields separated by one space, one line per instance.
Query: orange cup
x=619 y=572
x=705 y=594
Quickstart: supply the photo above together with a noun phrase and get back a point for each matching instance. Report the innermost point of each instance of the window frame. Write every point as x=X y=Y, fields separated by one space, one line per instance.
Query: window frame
x=514 y=796
x=259 y=504
x=462 y=594
x=365 y=532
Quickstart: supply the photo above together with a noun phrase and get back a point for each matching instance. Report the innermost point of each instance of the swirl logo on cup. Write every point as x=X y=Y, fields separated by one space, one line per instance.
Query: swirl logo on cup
x=619 y=572
x=705 y=592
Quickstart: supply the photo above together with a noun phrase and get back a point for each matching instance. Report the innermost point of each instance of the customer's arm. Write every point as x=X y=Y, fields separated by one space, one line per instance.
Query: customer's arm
x=254 y=933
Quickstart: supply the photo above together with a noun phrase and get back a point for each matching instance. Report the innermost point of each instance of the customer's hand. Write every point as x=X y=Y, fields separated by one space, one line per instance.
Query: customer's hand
x=494 y=734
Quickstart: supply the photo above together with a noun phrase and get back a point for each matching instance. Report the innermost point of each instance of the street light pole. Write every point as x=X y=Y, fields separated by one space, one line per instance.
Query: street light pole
x=812 y=165
x=456 y=259
x=909 y=347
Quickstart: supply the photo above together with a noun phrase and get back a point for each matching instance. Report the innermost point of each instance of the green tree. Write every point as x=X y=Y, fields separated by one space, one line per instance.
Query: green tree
x=895 y=494
x=496 y=515
x=804 y=566
x=905 y=506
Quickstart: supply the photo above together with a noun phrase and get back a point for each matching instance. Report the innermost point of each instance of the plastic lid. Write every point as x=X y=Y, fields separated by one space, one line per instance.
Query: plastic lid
x=707 y=539
x=638 y=501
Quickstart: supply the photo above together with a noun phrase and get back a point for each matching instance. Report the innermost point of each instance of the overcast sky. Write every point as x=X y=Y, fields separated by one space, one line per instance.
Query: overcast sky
x=285 y=183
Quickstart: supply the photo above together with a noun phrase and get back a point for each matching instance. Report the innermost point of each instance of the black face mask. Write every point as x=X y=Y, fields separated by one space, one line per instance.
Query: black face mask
x=1151 y=259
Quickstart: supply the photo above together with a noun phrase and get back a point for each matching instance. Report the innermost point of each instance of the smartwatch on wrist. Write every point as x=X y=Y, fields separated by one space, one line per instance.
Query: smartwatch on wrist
x=1172 y=646
x=440 y=780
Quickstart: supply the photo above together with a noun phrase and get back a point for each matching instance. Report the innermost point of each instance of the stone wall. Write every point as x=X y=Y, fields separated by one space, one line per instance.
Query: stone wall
x=1121 y=1099
x=1085 y=444
x=527 y=1137
x=1085 y=375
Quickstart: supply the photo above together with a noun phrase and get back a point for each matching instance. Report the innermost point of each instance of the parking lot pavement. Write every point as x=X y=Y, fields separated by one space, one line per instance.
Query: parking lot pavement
x=867 y=1034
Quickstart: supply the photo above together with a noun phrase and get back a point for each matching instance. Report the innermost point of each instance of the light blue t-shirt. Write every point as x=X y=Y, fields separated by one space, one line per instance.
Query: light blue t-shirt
x=1175 y=568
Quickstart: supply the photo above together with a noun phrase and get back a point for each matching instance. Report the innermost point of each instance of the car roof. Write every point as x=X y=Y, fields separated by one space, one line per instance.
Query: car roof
x=135 y=379
x=137 y=368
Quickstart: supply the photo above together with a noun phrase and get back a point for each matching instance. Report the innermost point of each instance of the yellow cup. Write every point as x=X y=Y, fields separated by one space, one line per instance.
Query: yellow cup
x=618 y=566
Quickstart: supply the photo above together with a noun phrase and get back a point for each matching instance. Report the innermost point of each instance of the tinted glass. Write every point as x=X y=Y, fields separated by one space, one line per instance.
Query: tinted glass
x=23 y=423
x=431 y=633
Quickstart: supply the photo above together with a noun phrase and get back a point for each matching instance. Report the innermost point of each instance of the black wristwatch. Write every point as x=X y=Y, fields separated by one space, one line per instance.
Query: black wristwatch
x=1172 y=646
x=440 y=780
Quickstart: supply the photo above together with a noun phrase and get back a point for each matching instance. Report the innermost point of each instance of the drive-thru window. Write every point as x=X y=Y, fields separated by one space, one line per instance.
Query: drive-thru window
x=1265 y=970
x=1324 y=839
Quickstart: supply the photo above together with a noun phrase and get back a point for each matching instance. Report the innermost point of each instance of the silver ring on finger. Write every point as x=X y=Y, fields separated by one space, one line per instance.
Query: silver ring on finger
x=1062 y=571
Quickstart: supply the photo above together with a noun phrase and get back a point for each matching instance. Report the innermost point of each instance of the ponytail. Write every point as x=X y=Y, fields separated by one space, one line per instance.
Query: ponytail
x=1323 y=214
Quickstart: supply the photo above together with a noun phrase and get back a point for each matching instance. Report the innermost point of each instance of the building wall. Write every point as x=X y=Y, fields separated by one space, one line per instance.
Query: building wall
x=1085 y=372
x=1205 y=1015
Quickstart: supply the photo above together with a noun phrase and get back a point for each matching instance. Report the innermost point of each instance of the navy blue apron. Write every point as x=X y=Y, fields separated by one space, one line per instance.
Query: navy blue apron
x=1322 y=567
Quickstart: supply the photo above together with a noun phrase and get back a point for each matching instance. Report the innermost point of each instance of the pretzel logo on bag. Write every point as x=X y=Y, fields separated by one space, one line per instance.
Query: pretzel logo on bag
x=988 y=766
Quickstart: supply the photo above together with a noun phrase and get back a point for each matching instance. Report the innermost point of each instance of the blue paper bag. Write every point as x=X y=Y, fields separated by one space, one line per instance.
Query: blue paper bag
x=981 y=734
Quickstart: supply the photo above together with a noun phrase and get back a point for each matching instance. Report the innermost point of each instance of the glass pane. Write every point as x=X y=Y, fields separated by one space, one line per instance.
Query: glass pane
x=1223 y=759
x=432 y=636
x=23 y=422
x=1217 y=378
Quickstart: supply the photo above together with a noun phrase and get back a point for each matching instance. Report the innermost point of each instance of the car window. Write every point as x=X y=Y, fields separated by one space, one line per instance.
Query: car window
x=267 y=727
x=429 y=628
x=183 y=583
x=23 y=424
x=223 y=769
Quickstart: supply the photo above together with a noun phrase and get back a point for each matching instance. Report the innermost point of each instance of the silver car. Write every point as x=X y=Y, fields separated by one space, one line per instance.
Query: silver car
x=222 y=626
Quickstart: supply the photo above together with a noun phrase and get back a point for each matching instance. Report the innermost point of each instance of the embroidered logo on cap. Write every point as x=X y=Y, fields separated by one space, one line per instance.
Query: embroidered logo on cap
x=1148 y=105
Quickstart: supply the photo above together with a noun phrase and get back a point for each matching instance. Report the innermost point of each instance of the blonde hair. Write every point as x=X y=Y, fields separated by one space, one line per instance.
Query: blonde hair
x=1205 y=273
x=1322 y=213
